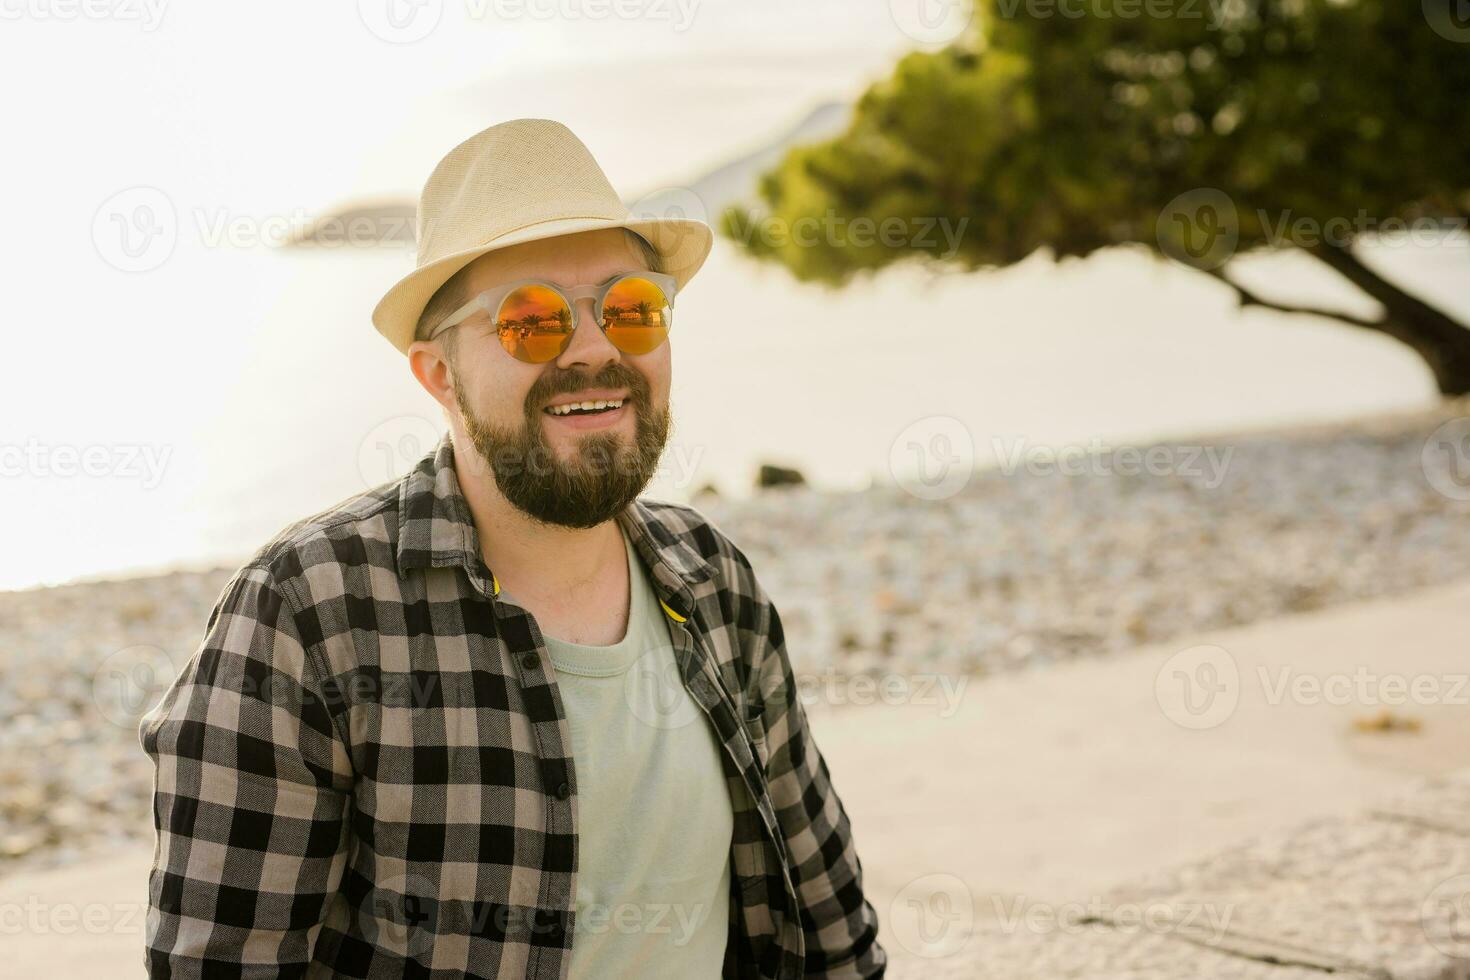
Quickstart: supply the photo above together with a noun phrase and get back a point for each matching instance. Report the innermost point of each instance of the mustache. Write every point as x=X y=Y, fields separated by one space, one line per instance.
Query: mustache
x=571 y=382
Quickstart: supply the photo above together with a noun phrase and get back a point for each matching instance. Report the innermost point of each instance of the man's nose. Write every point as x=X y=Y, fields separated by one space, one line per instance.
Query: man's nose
x=590 y=347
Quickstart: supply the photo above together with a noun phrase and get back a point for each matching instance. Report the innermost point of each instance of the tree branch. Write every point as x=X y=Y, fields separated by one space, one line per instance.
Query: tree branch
x=1248 y=298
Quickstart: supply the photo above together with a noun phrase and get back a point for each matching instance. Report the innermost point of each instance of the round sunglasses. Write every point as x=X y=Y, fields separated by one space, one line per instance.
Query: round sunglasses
x=535 y=318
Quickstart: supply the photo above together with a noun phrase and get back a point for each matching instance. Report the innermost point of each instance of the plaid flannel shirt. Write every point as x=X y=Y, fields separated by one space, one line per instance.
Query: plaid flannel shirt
x=365 y=770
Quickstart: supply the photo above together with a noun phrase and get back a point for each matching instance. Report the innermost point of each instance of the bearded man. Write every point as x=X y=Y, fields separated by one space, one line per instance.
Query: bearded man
x=502 y=717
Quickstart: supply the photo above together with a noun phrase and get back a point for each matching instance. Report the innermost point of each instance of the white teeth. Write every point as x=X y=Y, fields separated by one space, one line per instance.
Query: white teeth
x=588 y=406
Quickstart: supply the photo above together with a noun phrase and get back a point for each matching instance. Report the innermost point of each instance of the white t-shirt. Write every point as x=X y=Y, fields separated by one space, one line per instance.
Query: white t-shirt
x=653 y=811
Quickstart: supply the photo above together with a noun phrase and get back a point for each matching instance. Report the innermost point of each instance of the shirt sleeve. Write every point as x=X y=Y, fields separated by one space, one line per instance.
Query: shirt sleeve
x=840 y=924
x=250 y=796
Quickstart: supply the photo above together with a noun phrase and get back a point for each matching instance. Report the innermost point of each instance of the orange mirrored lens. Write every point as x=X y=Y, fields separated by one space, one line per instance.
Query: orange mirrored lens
x=534 y=324
x=636 y=315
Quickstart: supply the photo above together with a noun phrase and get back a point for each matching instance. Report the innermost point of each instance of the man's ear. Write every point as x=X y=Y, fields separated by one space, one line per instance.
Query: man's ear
x=427 y=362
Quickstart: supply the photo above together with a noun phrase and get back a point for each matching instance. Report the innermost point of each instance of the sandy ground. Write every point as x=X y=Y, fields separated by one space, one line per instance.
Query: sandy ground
x=1053 y=785
x=1047 y=786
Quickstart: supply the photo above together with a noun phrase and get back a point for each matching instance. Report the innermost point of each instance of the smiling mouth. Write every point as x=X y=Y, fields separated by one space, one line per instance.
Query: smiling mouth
x=598 y=407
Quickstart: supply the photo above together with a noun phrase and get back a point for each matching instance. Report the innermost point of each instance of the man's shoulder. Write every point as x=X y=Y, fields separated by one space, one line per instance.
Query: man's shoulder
x=693 y=527
x=359 y=530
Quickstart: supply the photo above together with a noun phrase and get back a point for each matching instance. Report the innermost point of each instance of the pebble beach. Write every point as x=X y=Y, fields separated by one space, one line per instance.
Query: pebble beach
x=1013 y=571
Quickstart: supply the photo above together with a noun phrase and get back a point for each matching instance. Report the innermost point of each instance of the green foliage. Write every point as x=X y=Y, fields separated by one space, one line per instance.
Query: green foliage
x=1073 y=133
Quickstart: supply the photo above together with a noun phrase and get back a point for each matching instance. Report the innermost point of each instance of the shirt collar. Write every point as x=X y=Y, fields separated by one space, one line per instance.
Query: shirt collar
x=435 y=529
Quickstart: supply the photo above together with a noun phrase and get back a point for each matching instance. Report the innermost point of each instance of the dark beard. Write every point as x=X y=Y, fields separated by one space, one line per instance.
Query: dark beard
x=605 y=476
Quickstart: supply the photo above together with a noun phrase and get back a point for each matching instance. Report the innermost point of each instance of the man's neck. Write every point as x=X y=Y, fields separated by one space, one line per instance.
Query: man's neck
x=529 y=557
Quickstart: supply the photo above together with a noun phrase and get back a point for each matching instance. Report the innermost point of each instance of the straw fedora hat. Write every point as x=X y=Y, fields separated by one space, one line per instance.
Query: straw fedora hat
x=516 y=182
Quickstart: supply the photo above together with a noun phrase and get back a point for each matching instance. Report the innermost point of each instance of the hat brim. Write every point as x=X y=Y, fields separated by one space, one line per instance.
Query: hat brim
x=683 y=243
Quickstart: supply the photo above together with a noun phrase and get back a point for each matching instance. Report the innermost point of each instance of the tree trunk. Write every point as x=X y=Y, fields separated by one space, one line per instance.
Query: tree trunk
x=1442 y=341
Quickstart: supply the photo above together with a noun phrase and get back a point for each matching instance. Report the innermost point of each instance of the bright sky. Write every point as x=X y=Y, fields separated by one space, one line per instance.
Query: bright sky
x=253 y=378
x=257 y=116
x=244 y=116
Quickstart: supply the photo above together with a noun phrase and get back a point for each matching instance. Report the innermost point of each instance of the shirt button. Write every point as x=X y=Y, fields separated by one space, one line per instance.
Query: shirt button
x=563 y=791
x=530 y=661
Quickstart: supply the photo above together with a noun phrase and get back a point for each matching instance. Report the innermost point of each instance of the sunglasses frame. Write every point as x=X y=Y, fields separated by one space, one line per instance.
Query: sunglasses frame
x=489 y=301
